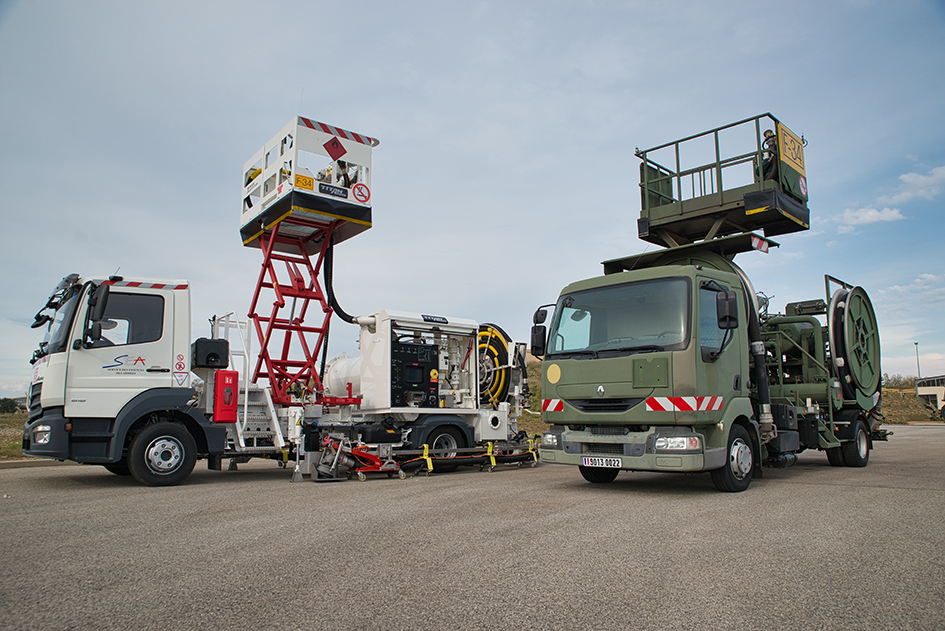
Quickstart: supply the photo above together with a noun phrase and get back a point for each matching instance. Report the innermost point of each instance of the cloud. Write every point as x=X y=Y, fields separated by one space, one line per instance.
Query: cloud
x=865 y=216
x=916 y=186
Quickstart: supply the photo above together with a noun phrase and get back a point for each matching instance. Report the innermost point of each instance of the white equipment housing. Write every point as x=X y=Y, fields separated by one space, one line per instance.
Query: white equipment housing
x=414 y=364
x=313 y=172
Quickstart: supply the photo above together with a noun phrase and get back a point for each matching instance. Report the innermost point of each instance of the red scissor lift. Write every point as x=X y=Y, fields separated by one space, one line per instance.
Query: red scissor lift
x=307 y=189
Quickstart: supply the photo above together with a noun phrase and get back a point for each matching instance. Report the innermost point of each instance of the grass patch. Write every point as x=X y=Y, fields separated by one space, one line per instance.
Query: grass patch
x=903 y=406
x=11 y=436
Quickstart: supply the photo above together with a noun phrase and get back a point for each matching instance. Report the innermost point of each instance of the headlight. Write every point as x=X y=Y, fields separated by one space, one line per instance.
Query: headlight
x=41 y=434
x=678 y=443
x=551 y=440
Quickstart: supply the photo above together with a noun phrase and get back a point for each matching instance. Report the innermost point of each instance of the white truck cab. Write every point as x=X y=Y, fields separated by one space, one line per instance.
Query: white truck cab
x=116 y=359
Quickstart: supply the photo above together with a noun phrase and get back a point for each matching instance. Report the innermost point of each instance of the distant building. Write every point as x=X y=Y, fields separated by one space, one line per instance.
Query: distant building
x=931 y=390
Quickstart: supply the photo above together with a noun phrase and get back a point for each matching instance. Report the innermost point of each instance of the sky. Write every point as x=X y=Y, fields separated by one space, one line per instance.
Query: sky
x=507 y=131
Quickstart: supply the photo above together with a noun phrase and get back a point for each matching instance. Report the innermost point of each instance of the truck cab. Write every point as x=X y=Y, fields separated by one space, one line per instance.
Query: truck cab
x=116 y=359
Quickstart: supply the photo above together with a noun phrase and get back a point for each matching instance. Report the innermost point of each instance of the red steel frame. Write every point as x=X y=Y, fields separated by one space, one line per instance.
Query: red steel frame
x=279 y=329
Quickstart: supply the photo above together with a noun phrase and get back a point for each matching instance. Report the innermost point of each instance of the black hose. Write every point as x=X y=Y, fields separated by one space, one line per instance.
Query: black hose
x=327 y=271
x=757 y=347
x=758 y=355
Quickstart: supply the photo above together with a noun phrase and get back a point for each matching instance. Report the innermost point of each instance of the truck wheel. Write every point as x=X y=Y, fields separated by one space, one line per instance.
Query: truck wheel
x=598 y=475
x=735 y=475
x=162 y=454
x=856 y=453
x=835 y=456
x=445 y=437
x=118 y=468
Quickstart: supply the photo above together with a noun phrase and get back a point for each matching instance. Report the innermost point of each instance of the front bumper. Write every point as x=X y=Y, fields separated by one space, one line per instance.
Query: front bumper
x=636 y=451
x=57 y=447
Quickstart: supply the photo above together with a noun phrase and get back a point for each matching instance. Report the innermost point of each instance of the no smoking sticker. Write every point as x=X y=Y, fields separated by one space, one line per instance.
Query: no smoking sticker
x=361 y=192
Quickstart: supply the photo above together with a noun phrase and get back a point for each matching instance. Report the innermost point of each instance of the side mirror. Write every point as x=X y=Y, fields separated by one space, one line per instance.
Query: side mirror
x=539 y=334
x=726 y=308
x=540 y=316
x=98 y=302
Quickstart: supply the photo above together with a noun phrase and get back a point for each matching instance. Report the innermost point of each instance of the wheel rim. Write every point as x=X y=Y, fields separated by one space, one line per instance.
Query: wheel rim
x=739 y=459
x=164 y=455
x=445 y=441
x=862 y=445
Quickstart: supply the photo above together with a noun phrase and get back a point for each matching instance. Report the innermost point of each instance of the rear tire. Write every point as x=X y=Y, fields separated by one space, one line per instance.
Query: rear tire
x=445 y=437
x=735 y=475
x=118 y=468
x=162 y=454
x=856 y=453
x=835 y=456
x=598 y=475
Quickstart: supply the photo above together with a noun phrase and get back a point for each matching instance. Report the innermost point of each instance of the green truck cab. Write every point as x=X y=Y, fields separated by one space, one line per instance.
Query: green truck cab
x=670 y=361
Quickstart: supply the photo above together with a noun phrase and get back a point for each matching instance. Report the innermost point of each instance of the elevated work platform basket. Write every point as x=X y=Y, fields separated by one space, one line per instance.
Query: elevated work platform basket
x=734 y=179
x=307 y=177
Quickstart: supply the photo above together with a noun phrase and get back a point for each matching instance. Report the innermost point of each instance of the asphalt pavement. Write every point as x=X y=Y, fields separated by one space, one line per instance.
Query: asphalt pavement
x=807 y=547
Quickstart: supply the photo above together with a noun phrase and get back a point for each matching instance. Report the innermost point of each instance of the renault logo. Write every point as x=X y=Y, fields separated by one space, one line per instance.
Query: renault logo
x=600 y=391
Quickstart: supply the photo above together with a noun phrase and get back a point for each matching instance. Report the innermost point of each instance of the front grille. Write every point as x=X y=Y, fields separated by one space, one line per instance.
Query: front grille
x=36 y=405
x=604 y=405
x=608 y=430
x=603 y=448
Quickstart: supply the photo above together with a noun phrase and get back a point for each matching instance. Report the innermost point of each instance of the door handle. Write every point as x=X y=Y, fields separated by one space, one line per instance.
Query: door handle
x=158 y=370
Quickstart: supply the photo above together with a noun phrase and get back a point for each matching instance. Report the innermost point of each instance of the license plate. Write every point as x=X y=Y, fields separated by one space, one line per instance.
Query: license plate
x=610 y=463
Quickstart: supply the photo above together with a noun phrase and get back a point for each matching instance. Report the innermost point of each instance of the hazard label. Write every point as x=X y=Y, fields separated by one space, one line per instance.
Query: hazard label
x=335 y=149
x=361 y=192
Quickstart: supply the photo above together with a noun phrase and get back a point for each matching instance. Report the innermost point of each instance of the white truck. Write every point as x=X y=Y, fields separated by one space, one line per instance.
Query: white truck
x=118 y=380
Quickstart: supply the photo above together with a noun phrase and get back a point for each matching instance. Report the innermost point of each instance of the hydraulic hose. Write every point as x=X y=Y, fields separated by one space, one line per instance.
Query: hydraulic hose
x=332 y=301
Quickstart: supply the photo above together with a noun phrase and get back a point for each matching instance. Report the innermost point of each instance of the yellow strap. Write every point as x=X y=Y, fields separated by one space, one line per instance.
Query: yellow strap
x=490 y=454
x=426 y=455
x=531 y=449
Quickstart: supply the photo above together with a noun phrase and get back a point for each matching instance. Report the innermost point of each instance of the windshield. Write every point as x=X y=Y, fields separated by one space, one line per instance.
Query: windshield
x=64 y=301
x=58 y=335
x=636 y=317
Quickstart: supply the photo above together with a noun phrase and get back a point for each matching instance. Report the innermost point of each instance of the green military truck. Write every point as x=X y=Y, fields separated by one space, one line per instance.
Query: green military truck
x=671 y=362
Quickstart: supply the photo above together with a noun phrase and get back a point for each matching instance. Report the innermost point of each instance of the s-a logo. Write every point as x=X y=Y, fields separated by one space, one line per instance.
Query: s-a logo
x=118 y=362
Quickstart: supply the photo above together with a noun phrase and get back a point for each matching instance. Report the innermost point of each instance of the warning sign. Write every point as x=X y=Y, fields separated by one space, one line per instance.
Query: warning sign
x=335 y=149
x=361 y=192
x=792 y=149
x=301 y=181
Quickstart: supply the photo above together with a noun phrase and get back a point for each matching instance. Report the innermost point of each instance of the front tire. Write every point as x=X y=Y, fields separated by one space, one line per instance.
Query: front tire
x=598 y=475
x=162 y=454
x=735 y=475
x=856 y=453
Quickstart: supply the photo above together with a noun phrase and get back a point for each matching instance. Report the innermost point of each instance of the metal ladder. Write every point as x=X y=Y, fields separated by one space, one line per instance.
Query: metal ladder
x=257 y=428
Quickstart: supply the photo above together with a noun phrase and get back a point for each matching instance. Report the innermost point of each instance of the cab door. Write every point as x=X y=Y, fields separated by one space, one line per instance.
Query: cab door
x=719 y=355
x=134 y=354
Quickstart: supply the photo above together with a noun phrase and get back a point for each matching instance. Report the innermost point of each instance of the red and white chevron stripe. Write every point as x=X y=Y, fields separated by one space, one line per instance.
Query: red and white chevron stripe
x=684 y=404
x=338 y=131
x=759 y=244
x=131 y=283
x=552 y=405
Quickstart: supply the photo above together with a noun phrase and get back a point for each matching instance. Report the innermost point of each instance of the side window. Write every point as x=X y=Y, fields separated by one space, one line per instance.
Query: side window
x=132 y=319
x=710 y=335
